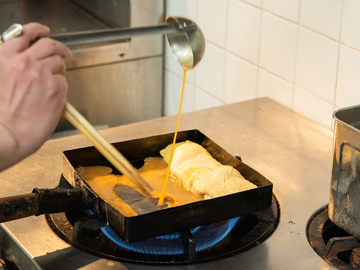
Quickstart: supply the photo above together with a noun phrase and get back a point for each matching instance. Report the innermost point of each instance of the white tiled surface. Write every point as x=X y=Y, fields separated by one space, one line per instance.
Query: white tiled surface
x=276 y=88
x=212 y=19
x=313 y=107
x=204 y=100
x=316 y=64
x=348 y=86
x=305 y=54
x=243 y=32
x=183 y=8
x=240 y=79
x=350 y=33
x=209 y=75
x=256 y=3
x=323 y=16
x=278 y=46
x=288 y=9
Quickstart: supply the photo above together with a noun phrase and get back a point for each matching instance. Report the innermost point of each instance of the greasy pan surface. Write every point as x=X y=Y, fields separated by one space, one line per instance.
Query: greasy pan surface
x=174 y=219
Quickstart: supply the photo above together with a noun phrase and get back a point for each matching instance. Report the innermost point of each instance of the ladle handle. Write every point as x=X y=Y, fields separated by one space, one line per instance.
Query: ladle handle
x=105 y=148
x=112 y=35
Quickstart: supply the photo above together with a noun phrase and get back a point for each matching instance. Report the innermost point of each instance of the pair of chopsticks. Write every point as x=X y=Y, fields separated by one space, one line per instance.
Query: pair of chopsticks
x=106 y=149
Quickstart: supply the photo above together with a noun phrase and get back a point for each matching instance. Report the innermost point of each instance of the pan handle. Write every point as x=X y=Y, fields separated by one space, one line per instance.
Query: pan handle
x=19 y=206
x=40 y=201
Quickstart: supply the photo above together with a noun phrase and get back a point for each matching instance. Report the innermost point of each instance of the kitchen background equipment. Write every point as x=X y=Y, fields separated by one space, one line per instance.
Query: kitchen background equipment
x=292 y=151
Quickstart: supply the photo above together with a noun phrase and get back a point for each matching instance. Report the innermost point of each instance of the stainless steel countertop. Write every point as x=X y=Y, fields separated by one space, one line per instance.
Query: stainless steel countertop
x=290 y=150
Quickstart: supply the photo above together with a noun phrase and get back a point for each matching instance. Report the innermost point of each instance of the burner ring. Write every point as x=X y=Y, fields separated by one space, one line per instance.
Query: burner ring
x=330 y=242
x=259 y=226
x=205 y=237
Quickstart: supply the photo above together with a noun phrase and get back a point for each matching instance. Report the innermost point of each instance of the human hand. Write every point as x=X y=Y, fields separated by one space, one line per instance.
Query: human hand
x=33 y=91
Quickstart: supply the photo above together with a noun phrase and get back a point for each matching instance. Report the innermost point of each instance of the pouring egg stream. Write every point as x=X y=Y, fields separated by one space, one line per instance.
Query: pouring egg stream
x=162 y=195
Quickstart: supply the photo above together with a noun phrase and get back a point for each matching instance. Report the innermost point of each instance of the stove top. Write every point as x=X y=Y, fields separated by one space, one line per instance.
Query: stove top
x=290 y=150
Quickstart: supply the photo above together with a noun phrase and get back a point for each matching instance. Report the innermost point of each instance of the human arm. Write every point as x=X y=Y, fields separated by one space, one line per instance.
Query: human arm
x=33 y=92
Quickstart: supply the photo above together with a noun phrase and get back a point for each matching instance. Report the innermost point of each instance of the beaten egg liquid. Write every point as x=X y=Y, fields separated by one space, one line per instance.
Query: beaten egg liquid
x=154 y=172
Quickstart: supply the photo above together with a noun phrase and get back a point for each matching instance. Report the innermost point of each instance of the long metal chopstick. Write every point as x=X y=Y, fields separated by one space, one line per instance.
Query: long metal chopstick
x=106 y=149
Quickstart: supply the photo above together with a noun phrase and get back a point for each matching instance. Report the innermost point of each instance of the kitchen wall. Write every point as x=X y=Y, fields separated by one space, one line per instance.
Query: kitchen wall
x=305 y=54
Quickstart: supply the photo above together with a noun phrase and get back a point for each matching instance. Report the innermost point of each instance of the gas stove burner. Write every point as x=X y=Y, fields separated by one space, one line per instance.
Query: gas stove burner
x=89 y=233
x=204 y=236
x=332 y=243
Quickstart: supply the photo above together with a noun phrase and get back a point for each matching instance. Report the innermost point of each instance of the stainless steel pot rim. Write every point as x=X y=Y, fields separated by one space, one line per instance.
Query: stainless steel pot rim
x=338 y=120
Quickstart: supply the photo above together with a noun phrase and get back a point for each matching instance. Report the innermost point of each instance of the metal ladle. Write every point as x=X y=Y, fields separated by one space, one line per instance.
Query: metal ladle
x=188 y=47
x=185 y=38
x=187 y=43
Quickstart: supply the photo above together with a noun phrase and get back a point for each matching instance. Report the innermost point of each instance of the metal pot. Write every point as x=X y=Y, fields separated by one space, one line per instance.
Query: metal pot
x=344 y=203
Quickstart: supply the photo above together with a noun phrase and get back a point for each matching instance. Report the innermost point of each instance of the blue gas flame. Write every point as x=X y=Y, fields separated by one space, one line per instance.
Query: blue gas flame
x=170 y=244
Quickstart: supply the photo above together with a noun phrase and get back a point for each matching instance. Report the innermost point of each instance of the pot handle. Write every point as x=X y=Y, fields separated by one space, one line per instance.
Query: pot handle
x=40 y=201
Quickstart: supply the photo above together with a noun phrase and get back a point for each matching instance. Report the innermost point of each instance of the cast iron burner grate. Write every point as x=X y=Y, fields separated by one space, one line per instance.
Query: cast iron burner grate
x=332 y=243
x=87 y=232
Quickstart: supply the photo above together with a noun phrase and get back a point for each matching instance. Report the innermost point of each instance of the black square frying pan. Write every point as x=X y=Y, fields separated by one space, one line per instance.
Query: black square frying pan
x=148 y=225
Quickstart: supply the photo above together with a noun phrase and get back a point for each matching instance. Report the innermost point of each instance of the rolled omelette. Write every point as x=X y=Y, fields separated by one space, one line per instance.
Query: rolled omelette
x=201 y=174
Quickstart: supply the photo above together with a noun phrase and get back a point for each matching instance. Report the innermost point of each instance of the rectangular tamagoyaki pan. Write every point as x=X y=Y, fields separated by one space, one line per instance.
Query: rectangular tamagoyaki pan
x=174 y=219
